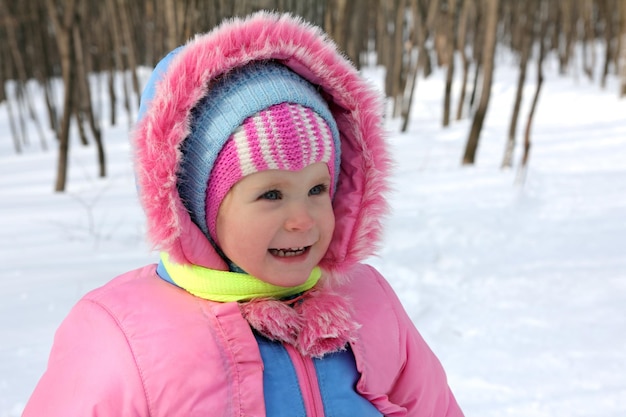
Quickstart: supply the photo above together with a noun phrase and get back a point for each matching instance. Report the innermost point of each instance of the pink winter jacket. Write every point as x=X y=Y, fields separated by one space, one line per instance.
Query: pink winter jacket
x=141 y=347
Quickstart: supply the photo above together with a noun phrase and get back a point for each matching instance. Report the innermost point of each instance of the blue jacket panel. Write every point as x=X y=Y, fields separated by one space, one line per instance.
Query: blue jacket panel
x=336 y=375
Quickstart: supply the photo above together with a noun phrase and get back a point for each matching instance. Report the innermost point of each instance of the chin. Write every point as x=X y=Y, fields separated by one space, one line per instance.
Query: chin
x=290 y=281
x=288 y=272
x=283 y=278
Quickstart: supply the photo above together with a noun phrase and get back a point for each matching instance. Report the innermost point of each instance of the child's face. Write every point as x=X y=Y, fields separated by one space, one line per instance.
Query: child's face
x=276 y=225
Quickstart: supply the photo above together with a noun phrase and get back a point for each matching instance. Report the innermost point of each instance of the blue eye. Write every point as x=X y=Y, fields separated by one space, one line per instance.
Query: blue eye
x=271 y=195
x=318 y=189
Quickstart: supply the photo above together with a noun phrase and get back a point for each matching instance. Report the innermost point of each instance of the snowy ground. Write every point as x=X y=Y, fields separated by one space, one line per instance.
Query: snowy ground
x=521 y=291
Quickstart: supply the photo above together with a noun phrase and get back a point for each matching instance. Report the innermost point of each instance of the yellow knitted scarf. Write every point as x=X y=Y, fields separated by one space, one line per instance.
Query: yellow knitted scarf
x=224 y=286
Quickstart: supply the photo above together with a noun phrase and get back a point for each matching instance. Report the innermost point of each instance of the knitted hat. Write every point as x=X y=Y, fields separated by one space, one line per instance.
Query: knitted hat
x=257 y=117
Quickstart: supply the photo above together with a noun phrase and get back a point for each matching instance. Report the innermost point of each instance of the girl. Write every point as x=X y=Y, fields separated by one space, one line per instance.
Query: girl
x=261 y=167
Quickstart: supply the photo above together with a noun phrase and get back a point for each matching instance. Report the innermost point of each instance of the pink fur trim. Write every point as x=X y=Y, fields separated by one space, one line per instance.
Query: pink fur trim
x=318 y=323
x=329 y=324
x=274 y=319
x=359 y=202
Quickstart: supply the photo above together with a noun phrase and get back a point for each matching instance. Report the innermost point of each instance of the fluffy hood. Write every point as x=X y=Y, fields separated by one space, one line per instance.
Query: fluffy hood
x=180 y=81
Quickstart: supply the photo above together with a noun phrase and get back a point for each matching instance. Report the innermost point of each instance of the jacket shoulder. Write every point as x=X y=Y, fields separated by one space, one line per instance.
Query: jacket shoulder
x=149 y=336
x=399 y=372
x=89 y=368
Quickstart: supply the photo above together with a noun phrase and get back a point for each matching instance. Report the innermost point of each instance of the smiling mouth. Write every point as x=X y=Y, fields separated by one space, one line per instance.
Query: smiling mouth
x=289 y=252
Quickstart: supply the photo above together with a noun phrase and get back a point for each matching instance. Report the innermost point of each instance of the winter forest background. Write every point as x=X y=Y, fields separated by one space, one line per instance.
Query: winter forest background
x=508 y=123
x=53 y=41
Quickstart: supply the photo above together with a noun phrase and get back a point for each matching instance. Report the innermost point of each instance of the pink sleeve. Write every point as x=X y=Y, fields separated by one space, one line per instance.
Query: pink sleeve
x=91 y=370
x=421 y=387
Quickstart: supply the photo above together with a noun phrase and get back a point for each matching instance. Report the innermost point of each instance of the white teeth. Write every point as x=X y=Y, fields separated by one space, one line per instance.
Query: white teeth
x=285 y=253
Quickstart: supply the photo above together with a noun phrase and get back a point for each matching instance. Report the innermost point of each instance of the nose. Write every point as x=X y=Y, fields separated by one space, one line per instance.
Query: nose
x=299 y=217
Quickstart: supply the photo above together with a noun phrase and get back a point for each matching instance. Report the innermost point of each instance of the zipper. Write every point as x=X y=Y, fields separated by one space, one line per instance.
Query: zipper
x=307 y=378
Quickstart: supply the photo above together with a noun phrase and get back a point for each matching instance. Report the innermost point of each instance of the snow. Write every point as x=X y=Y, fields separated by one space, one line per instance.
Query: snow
x=519 y=289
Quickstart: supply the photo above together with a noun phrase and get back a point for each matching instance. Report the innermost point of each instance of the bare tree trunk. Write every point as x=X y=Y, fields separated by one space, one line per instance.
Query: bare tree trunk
x=526 y=40
x=112 y=96
x=609 y=33
x=416 y=43
x=42 y=43
x=616 y=40
x=544 y=19
x=33 y=116
x=15 y=133
x=357 y=33
x=15 y=57
x=53 y=114
x=131 y=55
x=117 y=63
x=170 y=24
x=5 y=74
x=396 y=72
x=491 y=11
x=78 y=115
x=3 y=77
x=12 y=43
x=381 y=38
x=623 y=50
x=63 y=33
x=335 y=22
x=447 y=99
x=461 y=45
x=565 y=40
x=119 y=47
x=19 y=101
x=81 y=93
x=17 y=142
x=424 y=16
x=345 y=22
x=588 y=40
x=385 y=37
x=477 y=51
x=149 y=46
x=86 y=107
x=475 y=86
x=447 y=94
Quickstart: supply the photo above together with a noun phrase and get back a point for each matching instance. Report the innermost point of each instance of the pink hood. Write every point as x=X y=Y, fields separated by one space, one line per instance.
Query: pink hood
x=359 y=202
